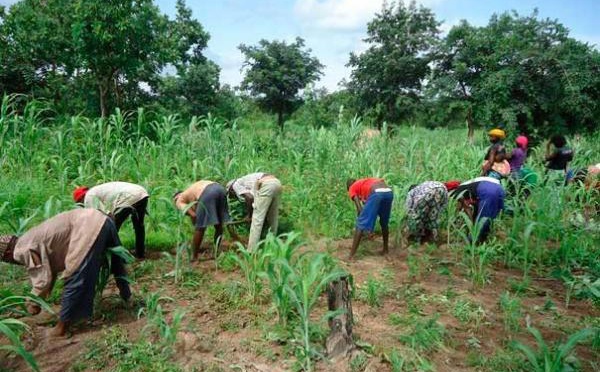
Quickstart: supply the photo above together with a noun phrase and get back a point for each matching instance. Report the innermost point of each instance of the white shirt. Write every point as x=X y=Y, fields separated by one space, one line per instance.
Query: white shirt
x=246 y=184
x=111 y=197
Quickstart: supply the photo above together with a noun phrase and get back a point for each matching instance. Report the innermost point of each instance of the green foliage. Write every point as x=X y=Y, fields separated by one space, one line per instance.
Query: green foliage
x=553 y=358
x=11 y=328
x=468 y=312
x=117 y=350
x=308 y=279
x=511 y=311
x=359 y=362
x=387 y=77
x=166 y=331
x=275 y=73
x=521 y=71
x=93 y=56
x=425 y=335
x=372 y=292
x=105 y=270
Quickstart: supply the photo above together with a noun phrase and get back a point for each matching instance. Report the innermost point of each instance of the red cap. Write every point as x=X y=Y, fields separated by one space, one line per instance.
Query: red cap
x=451 y=185
x=522 y=141
x=79 y=193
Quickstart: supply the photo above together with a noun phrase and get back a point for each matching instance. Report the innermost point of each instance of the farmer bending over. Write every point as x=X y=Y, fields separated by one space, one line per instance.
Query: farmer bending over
x=372 y=198
x=121 y=200
x=486 y=195
x=424 y=205
x=262 y=194
x=206 y=204
x=76 y=244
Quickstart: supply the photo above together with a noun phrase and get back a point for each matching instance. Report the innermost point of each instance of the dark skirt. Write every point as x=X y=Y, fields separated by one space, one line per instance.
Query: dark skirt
x=79 y=290
x=212 y=208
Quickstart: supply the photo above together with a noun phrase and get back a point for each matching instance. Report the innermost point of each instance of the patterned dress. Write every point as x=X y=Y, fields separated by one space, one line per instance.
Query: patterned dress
x=424 y=205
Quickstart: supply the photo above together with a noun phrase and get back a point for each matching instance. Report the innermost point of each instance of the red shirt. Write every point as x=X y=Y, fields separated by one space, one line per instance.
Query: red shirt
x=362 y=188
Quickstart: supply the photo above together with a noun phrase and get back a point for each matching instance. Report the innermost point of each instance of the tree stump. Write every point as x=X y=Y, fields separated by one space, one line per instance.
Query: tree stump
x=340 y=342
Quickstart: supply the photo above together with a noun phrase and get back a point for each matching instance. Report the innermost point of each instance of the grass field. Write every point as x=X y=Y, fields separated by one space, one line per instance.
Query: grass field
x=444 y=307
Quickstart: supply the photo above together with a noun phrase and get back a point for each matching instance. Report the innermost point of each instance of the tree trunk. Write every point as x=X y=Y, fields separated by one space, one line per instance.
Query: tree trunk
x=340 y=342
x=470 y=125
x=102 y=90
x=280 y=120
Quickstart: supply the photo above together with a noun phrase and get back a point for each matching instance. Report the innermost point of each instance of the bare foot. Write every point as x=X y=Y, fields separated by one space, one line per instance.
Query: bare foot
x=59 y=330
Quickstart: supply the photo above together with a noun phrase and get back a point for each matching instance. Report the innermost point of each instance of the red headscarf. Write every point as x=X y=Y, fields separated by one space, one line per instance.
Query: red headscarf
x=522 y=142
x=79 y=193
x=451 y=185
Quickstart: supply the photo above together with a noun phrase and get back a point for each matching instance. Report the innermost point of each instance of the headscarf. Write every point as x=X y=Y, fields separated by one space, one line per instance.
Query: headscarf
x=498 y=133
x=452 y=185
x=79 y=193
x=6 y=242
x=522 y=142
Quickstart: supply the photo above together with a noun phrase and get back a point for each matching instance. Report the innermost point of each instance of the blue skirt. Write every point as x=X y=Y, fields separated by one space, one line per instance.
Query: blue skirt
x=80 y=288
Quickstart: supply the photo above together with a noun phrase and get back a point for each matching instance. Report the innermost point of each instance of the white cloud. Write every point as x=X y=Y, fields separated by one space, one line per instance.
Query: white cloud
x=341 y=14
x=6 y=3
x=337 y=14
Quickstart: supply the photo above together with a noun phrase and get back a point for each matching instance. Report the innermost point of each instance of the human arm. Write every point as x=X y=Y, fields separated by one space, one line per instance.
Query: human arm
x=487 y=165
x=187 y=208
x=358 y=204
x=117 y=268
x=234 y=235
x=464 y=206
x=249 y=201
x=42 y=280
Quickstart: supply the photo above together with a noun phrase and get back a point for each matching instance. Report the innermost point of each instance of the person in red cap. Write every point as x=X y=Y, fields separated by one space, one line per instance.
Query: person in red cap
x=121 y=200
x=74 y=243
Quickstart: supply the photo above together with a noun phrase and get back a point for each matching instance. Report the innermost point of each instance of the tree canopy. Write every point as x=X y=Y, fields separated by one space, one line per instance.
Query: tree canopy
x=387 y=78
x=276 y=72
x=97 y=55
x=521 y=71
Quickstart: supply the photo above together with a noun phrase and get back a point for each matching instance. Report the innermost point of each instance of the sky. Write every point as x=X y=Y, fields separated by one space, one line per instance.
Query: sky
x=334 y=28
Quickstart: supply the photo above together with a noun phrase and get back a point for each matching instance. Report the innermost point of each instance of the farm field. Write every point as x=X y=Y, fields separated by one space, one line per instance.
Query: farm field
x=449 y=306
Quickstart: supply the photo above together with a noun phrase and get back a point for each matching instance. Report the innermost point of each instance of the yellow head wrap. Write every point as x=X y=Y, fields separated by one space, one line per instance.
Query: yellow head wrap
x=498 y=133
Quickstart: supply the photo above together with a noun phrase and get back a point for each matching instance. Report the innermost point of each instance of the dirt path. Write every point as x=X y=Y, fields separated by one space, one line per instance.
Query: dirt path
x=225 y=334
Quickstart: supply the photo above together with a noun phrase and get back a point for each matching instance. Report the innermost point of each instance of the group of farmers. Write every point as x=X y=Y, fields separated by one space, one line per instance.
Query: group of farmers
x=76 y=242
x=481 y=198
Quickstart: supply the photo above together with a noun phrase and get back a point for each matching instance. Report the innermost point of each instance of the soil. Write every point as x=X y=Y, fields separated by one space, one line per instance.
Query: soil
x=220 y=336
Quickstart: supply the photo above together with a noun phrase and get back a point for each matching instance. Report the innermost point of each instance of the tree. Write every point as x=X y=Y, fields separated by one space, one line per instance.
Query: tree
x=194 y=88
x=119 y=41
x=36 y=55
x=387 y=78
x=519 y=70
x=276 y=72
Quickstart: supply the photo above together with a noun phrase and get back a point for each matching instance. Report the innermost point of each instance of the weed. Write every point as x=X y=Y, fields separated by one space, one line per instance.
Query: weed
x=425 y=335
x=12 y=328
x=372 y=292
x=359 y=362
x=552 y=358
x=511 y=311
x=397 y=362
x=468 y=312
x=157 y=321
